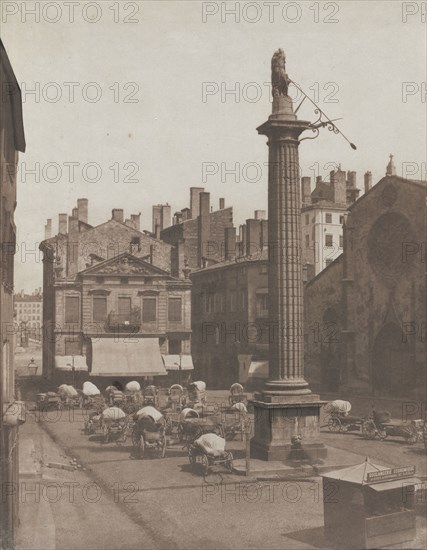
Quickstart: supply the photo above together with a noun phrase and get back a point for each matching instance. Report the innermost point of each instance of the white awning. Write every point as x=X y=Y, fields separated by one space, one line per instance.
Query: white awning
x=66 y=362
x=172 y=362
x=258 y=369
x=132 y=357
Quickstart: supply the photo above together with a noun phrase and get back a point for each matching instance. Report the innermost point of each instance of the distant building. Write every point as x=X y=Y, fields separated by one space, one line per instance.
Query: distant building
x=12 y=141
x=28 y=310
x=197 y=233
x=112 y=307
x=365 y=315
x=322 y=217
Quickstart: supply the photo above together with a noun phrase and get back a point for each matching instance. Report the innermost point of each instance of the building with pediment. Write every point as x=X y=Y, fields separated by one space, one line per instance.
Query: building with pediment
x=116 y=301
x=365 y=314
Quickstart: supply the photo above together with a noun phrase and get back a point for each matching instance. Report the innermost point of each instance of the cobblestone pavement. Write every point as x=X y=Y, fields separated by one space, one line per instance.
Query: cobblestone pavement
x=120 y=502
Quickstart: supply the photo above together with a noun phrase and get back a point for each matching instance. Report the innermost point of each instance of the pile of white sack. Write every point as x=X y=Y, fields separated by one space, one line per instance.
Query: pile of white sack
x=211 y=444
x=67 y=390
x=112 y=414
x=133 y=386
x=90 y=390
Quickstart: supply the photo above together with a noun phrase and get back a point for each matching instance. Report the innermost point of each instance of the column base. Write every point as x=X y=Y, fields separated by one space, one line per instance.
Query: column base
x=278 y=419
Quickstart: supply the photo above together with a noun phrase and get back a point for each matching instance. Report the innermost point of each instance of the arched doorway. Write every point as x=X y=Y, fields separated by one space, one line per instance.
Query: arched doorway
x=392 y=363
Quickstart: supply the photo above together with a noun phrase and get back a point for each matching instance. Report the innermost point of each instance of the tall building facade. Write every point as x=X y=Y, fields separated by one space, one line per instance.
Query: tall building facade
x=230 y=321
x=112 y=307
x=12 y=141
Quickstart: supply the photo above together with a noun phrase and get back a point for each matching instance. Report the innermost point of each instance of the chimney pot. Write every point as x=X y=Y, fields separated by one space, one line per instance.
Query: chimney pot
x=253 y=237
x=195 y=200
x=230 y=243
x=368 y=181
x=118 y=215
x=82 y=208
x=48 y=229
x=203 y=225
x=62 y=224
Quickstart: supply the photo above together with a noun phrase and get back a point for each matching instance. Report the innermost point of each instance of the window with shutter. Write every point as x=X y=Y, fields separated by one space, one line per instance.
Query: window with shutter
x=99 y=308
x=124 y=306
x=175 y=310
x=72 y=309
x=149 y=310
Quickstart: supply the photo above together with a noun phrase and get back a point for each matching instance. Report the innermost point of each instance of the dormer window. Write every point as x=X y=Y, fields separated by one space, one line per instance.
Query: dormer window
x=135 y=245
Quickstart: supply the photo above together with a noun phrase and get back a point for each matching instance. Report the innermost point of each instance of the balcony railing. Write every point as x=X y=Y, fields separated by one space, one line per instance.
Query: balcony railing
x=123 y=322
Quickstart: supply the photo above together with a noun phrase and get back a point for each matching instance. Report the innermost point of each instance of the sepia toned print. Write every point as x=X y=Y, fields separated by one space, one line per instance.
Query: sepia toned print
x=213 y=257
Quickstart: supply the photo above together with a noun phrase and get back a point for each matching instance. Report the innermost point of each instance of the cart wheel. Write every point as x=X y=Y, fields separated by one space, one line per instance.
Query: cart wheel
x=135 y=438
x=89 y=428
x=368 y=430
x=381 y=433
x=205 y=464
x=106 y=433
x=343 y=427
x=141 y=446
x=163 y=447
x=180 y=433
x=334 y=425
x=168 y=426
x=230 y=462
x=123 y=436
x=412 y=438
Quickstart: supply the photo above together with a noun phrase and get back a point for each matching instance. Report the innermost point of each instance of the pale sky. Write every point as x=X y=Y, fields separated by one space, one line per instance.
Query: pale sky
x=355 y=67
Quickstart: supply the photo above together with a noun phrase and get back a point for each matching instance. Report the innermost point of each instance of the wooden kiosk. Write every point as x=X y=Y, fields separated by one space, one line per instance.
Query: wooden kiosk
x=369 y=506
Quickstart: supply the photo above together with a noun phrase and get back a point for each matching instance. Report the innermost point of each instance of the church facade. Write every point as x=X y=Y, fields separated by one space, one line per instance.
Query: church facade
x=365 y=314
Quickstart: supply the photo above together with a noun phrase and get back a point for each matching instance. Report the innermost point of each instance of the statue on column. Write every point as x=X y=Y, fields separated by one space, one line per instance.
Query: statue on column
x=279 y=79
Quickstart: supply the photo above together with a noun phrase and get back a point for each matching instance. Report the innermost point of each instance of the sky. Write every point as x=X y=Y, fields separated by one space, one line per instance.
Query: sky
x=130 y=104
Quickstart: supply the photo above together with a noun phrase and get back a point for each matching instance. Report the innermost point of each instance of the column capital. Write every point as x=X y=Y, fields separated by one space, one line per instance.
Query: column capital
x=279 y=128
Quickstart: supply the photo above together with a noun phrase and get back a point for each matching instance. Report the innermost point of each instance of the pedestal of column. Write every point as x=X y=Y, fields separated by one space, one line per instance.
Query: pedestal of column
x=285 y=410
x=277 y=423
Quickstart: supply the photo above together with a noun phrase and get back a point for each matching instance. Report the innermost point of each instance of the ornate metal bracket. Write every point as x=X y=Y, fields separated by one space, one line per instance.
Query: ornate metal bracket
x=323 y=121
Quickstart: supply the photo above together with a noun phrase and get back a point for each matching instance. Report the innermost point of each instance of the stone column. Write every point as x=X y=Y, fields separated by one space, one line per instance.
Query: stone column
x=286 y=407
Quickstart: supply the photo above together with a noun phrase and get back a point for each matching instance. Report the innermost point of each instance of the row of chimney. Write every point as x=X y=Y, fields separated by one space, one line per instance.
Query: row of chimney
x=340 y=182
x=162 y=212
x=253 y=237
x=80 y=214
